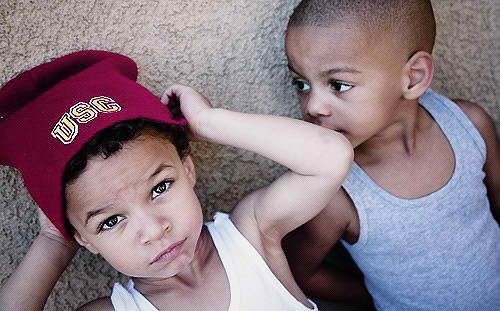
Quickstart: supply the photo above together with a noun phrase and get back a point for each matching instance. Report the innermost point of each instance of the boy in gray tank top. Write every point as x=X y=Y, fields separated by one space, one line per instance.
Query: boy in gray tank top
x=419 y=209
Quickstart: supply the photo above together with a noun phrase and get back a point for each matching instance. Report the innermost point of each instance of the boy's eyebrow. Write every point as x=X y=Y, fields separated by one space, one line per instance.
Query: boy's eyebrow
x=343 y=69
x=94 y=213
x=340 y=69
x=159 y=169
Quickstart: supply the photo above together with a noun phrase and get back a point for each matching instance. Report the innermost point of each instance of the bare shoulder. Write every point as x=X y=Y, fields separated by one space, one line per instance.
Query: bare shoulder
x=479 y=117
x=100 y=304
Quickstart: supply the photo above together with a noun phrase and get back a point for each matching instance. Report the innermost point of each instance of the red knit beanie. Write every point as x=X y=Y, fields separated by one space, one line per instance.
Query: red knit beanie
x=49 y=112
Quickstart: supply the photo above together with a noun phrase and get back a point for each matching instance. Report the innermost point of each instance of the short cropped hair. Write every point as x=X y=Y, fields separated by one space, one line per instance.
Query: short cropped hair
x=411 y=21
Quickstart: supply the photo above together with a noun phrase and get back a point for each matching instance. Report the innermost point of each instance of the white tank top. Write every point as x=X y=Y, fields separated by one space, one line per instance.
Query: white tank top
x=253 y=285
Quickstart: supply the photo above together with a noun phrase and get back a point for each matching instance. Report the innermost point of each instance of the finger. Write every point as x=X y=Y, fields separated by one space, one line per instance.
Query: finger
x=165 y=97
x=173 y=90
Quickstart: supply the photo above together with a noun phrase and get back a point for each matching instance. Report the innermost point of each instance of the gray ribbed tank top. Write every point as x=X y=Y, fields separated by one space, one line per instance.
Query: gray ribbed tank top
x=438 y=252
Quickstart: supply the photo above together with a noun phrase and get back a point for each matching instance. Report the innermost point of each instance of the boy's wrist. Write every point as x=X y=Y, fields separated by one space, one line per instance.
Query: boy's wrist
x=58 y=241
x=205 y=125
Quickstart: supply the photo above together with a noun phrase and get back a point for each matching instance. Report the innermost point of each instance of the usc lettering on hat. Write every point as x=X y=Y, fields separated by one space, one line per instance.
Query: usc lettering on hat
x=49 y=112
x=66 y=128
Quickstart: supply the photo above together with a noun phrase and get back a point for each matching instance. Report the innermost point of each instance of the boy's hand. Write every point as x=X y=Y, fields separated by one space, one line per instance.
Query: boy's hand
x=193 y=105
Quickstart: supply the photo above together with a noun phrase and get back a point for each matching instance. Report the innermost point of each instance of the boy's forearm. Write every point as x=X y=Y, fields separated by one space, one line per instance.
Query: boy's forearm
x=33 y=280
x=336 y=285
x=303 y=147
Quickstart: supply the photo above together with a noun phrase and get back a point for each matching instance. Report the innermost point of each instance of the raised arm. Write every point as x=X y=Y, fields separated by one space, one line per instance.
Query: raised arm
x=318 y=160
x=30 y=285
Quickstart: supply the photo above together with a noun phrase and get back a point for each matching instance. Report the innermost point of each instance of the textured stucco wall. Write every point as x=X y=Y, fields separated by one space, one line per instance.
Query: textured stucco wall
x=231 y=50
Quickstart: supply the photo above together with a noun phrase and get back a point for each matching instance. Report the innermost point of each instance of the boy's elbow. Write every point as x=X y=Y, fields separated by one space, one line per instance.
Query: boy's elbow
x=347 y=159
x=339 y=156
x=348 y=151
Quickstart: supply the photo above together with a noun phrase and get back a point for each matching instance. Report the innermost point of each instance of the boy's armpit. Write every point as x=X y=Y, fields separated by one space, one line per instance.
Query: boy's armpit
x=100 y=304
x=307 y=246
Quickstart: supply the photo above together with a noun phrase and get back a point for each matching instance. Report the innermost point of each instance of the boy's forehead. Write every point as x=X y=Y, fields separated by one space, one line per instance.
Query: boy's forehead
x=137 y=164
x=325 y=43
x=343 y=46
x=346 y=31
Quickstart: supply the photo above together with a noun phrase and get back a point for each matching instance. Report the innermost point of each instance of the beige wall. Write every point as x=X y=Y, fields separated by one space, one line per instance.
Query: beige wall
x=231 y=50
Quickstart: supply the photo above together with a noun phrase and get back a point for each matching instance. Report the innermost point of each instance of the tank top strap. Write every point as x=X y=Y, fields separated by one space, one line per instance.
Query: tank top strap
x=455 y=124
x=129 y=299
x=221 y=235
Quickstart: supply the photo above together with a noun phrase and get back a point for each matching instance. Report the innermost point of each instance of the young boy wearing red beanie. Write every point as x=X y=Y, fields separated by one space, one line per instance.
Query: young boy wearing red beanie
x=108 y=164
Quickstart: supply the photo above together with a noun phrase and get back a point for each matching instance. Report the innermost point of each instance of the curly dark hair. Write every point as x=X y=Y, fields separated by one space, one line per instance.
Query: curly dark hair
x=111 y=139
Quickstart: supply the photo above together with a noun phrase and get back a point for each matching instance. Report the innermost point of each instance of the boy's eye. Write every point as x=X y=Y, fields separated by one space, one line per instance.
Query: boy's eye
x=340 y=86
x=301 y=85
x=160 y=188
x=110 y=223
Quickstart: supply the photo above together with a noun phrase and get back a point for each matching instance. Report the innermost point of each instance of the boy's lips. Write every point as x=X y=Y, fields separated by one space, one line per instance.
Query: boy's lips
x=170 y=253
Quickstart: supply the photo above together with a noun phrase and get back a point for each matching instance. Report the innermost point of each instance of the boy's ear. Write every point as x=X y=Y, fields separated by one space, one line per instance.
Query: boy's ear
x=80 y=240
x=190 y=170
x=418 y=74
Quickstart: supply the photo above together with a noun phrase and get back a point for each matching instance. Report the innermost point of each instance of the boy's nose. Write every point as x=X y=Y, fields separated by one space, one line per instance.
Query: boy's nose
x=316 y=107
x=153 y=228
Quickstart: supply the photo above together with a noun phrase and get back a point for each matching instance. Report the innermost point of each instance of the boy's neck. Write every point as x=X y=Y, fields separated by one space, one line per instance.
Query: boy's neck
x=403 y=135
